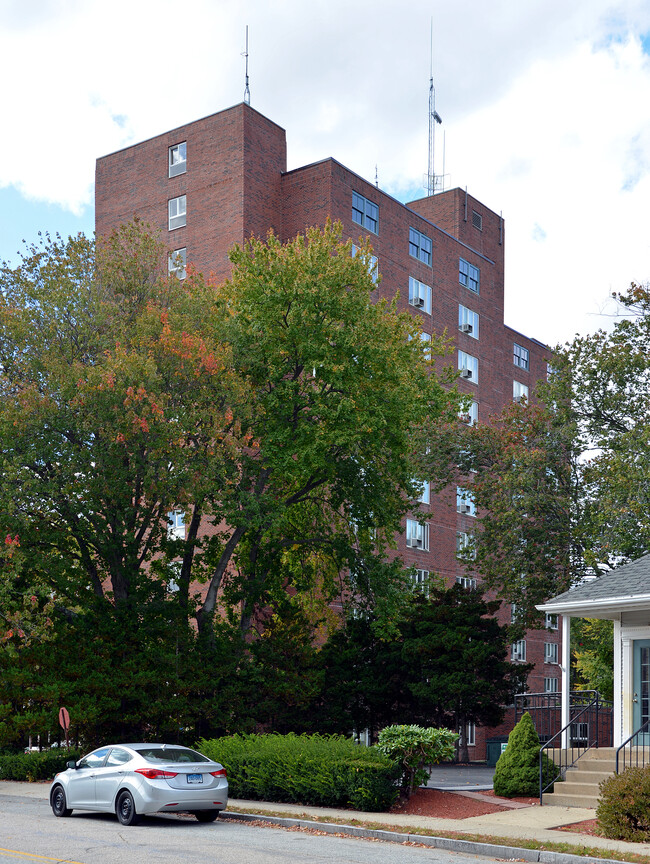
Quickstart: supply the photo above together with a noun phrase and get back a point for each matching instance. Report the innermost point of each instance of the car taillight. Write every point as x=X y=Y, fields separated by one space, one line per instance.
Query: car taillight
x=220 y=773
x=155 y=773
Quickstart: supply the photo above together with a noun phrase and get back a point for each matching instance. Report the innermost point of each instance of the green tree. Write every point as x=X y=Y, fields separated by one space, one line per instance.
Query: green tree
x=592 y=642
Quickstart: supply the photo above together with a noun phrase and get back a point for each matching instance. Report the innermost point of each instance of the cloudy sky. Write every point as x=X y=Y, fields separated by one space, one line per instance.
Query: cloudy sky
x=545 y=103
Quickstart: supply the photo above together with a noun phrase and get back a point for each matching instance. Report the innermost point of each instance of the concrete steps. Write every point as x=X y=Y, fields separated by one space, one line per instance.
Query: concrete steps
x=581 y=786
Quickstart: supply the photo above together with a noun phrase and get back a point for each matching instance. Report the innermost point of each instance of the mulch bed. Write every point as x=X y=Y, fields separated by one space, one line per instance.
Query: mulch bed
x=452 y=805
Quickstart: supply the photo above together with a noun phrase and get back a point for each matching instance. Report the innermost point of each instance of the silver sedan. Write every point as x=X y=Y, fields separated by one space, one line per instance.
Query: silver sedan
x=132 y=780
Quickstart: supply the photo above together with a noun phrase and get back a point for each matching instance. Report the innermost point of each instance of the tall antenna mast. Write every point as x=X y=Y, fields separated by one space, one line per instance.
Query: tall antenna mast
x=434 y=118
x=247 y=91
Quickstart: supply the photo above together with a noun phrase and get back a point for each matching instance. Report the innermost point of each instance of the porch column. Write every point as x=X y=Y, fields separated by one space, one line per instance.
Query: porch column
x=618 y=687
x=566 y=680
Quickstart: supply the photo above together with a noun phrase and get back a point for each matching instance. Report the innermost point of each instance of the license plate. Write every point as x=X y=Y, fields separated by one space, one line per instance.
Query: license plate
x=195 y=778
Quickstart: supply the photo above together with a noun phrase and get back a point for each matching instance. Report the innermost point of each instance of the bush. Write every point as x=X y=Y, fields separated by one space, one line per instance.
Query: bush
x=623 y=810
x=413 y=747
x=35 y=766
x=517 y=771
x=316 y=770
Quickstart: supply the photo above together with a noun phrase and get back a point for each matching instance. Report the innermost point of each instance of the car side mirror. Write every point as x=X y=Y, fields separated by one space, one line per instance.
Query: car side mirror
x=71 y=764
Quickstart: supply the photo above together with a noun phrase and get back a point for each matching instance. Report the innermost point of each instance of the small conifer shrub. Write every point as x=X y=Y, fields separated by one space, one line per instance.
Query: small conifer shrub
x=517 y=771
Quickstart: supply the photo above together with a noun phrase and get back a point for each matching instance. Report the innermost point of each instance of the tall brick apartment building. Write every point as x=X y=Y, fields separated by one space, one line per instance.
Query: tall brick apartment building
x=219 y=180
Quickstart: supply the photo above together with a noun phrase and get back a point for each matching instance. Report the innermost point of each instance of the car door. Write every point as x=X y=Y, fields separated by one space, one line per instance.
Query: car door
x=109 y=777
x=81 y=787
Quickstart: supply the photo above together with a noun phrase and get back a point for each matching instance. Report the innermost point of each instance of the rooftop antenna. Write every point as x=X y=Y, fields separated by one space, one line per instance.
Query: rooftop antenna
x=433 y=181
x=247 y=90
x=376 y=177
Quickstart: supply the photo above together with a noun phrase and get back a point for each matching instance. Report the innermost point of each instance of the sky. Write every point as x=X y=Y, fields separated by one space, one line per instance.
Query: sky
x=545 y=107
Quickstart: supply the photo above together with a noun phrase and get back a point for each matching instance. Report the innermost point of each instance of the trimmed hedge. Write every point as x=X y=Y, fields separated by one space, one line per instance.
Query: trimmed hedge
x=623 y=810
x=315 y=770
x=35 y=766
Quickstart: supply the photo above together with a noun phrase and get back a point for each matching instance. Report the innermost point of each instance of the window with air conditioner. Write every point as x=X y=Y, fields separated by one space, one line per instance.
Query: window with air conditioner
x=518 y=651
x=178 y=159
x=365 y=213
x=420 y=246
x=420 y=295
x=467 y=321
x=468 y=367
x=469 y=275
x=550 y=652
x=417 y=535
x=177 y=212
x=465 y=502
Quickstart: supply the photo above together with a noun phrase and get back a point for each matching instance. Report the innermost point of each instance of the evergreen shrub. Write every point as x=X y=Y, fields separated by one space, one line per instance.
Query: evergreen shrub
x=517 y=771
x=623 y=810
x=315 y=770
x=35 y=766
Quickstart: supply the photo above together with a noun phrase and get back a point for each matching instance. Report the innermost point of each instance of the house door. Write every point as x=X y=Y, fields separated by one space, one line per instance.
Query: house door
x=641 y=712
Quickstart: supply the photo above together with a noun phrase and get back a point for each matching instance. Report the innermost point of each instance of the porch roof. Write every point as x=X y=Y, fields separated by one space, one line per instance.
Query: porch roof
x=621 y=590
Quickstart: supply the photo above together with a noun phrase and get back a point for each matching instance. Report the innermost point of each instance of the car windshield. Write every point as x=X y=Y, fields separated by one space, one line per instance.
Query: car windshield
x=171 y=754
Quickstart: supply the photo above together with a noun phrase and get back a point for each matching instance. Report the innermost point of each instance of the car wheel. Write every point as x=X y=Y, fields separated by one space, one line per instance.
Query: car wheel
x=58 y=803
x=206 y=815
x=125 y=809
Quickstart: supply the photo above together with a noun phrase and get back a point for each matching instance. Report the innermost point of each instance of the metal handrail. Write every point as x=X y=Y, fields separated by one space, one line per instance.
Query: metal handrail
x=591 y=741
x=643 y=729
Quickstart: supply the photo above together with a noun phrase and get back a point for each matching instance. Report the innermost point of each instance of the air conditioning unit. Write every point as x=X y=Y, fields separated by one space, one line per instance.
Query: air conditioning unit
x=465 y=508
x=419 y=301
x=466 y=328
x=465 y=373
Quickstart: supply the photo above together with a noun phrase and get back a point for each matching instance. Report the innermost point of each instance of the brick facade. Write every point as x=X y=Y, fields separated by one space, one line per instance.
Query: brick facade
x=236 y=185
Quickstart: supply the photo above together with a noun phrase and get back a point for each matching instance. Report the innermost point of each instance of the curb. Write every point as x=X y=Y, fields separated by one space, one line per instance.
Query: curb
x=468 y=846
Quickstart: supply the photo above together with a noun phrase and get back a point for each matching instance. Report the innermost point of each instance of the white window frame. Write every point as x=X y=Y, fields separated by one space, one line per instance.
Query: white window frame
x=518 y=651
x=425 y=495
x=420 y=295
x=177 y=159
x=464 y=541
x=420 y=581
x=469 y=416
x=373 y=263
x=365 y=212
x=177 y=212
x=417 y=535
x=468 y=321
x=521 y=356
x=468 y=367
x=176 y=525
x=470 y=734
x=551 y=685
x=550 y=652
x=467 y=582
x=469 y=276
x=552 y=621
x=519 y=391
x=177 y=263
x=420 y=246
x=465 y=502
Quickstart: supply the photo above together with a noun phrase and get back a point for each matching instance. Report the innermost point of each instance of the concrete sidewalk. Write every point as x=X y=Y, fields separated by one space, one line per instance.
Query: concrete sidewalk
x=520 y=823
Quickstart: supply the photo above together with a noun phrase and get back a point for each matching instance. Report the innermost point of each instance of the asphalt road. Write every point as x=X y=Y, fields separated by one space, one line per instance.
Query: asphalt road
x=29 y=833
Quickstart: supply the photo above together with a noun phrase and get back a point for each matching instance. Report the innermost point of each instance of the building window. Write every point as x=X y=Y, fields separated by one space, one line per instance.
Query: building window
x=469 y=275
x=417 y=535
x=421 y=582
x=519 y=392
x=520 y=356
x=470 y=734
x=372 y=264
x=425 y=338
x=550 y=652
x=420 y=295
x=468 y=367
x=176 y=525
x=465 y=502
x=518 y=651
x=425 y=494
x=467 y=582
x=477 y=220
x=365 y=213
x=469 y=414
x=177 y=211
x=551 y=621
x=468 y=321
x=465 y=545
x=178 y=159
x=176 y=263
x=550 y=685
x=420 y=246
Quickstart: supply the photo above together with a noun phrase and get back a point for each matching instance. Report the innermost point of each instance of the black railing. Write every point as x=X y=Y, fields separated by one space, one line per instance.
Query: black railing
x=588 y=726
x=545 y=710
x=635 y=752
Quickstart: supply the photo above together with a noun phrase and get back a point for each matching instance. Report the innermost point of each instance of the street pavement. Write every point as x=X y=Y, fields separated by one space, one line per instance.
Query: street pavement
x=517 y=823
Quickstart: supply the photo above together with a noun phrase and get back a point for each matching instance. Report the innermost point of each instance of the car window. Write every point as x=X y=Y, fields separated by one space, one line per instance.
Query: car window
x=117 y=756
x=171 y=754
x=94 y=759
